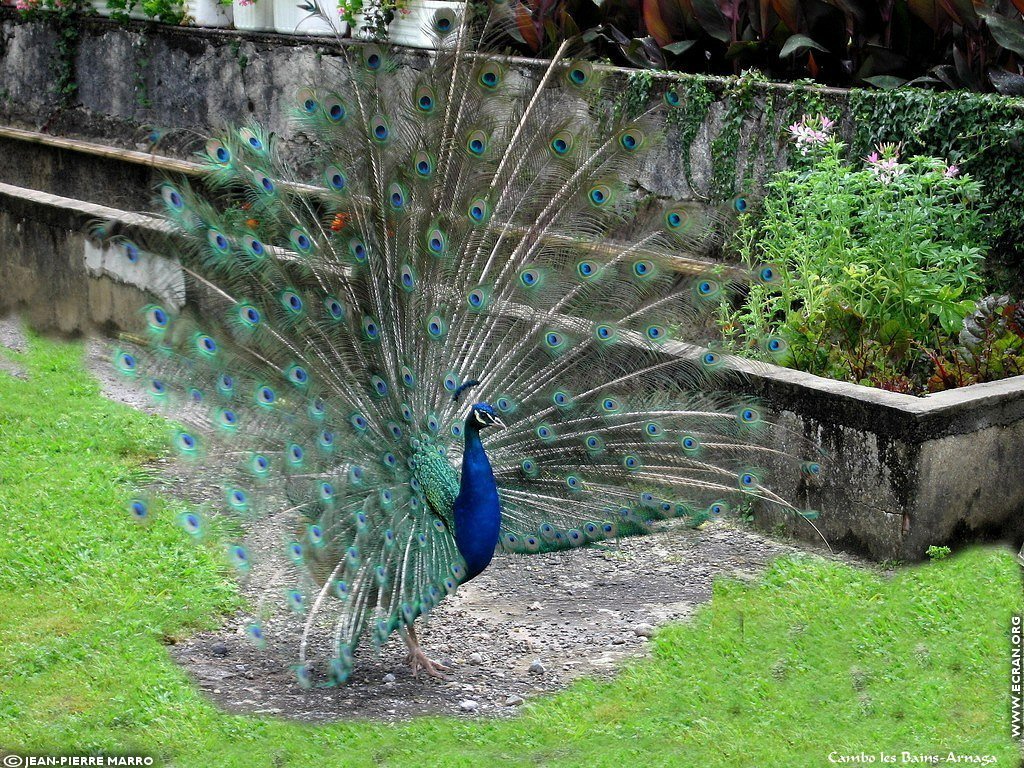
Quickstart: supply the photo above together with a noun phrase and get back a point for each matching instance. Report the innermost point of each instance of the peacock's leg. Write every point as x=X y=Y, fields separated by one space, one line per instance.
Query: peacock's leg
x=418 y=660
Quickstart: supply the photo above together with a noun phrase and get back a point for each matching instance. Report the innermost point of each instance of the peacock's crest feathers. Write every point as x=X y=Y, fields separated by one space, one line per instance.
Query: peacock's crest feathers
x=460 y=225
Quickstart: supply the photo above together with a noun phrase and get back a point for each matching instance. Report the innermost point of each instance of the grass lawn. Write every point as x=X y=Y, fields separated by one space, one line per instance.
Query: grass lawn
x=817 y=657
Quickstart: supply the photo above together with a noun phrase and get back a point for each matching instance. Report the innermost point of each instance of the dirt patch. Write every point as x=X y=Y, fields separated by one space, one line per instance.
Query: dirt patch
x=12 y=340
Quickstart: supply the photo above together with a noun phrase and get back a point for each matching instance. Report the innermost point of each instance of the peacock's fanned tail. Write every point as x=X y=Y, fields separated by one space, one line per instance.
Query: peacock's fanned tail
x=463 y=221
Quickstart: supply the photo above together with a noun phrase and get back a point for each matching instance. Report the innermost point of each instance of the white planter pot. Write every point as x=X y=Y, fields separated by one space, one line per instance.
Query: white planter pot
x=209 y=13
x=256 y=16
x=290 y=19
x=409 y=28
x=103 y=10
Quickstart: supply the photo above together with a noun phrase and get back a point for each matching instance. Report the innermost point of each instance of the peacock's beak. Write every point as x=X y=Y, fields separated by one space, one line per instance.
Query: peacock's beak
x=498 y=423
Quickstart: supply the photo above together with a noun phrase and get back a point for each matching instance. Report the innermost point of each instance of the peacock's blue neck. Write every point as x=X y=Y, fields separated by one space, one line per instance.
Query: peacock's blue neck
x=477 y=507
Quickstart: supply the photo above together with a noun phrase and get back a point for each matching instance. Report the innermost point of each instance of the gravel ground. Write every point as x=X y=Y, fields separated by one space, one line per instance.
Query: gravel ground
x=527 y=626
x=12 y=338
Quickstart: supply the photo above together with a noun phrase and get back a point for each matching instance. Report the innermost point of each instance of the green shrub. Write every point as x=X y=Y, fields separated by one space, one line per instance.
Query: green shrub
x=870 y=260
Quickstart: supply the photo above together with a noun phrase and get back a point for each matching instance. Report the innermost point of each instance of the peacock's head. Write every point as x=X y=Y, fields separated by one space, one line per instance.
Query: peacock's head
x=482 y=415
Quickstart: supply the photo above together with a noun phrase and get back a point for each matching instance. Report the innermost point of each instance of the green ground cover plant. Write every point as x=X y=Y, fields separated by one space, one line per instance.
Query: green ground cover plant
x=817 y=657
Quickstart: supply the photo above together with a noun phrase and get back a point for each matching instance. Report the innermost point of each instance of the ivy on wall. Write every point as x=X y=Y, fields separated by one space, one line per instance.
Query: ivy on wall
x=983 y=134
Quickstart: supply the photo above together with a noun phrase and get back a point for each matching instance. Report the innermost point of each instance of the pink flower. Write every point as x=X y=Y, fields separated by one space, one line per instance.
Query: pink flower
x=805 y=135
x=952 y=172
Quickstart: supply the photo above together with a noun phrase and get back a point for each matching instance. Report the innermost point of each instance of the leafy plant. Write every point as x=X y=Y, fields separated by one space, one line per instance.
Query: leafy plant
x=864 y=262
x=938 y=553
x=991 y=346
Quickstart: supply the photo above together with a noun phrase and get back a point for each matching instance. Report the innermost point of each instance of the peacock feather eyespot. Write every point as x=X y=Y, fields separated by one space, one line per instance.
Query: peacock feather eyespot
x=259 y=465
x=300 y=240
x=186 y=442
x=292 y=302
x=326 y=492
x=444 y=21
x=555 y=341
x=139 y=510
x=477 y=143
x=605 y=333
x=547 y=531
x=423 y=165
x=297 y=602
x=450 y=381
x=380 y=574
x=610 y=405
x=172 y=198
x=379 y=129
x=389 y=460
x=335 y=178
x=238 y=557
x=479 y=211
x=237 y=499
x=218 y=152
x=191 y=522
x=562 y=143
x=653 y=430
x=379 y=386
x=205 y=345
x=356 y=475
x=811 y=468
x=396 y=196
x=437 y=241
x=436 y=326
x=341 y=590
x=408 y=377
x=307 y=101
x=226 y=385
x=325 y=440
x=749 y=416
x=580 y=74
x=530 y=277
x=195 y=395
x=573 y=482
x=456 y=430
x=357 y=250
x=254 y=247
x=711 y=360
x=739 y=203
x=358 y=422
x=717 y=508
x=655 y=333
x=545 y=432
x=563 y=399
x=594 y=444
x=490 y=75
x=690 y=444
x=529 y=467
x=575 y=537
x=386 y=497
x=748 y=481
x=335 y=309
x=371 y=329
x=394 y=430
x=632 y=139
x=373 y=58
x=227 y=419
x=335 y=109
x=431 y=423
x=251 y=140
x=157 y=317
x=478 y=298
x=632 y=462
x=315 y=533
x=254 y=634
x=297 y=375
x=131 y=251
x=672 y=98
x=406 y=412
x=775 y=345
x=265 y=396
x=768 y=273
x=317 y=409
x=264 y=183
x=424 y=99
x=599 y=195
x=249 y=315
x=294 y=454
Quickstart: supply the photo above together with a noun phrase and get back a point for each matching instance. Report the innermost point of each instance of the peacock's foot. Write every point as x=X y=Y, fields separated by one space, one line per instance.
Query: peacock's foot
x=418 y=660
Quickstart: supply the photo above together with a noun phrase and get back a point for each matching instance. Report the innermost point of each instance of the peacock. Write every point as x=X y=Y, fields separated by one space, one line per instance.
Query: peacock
x=446 y=327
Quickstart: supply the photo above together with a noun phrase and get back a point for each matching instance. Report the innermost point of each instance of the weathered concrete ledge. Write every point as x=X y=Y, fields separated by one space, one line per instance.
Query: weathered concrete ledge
x=900 y=472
